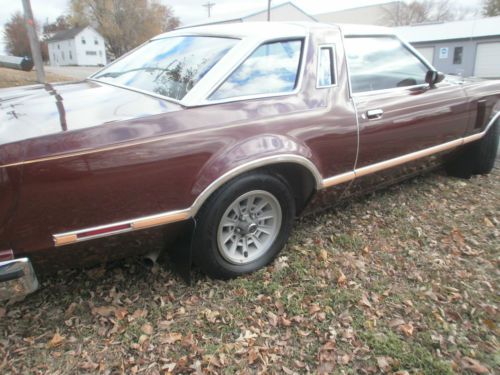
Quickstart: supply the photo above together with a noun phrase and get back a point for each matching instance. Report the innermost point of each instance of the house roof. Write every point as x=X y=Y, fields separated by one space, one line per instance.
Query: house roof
x=479 y=28
x=322 y=17
x=66 y=34
x=242 y=15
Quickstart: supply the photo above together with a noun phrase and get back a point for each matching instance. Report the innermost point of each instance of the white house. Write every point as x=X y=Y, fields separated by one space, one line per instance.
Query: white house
x=78 y=46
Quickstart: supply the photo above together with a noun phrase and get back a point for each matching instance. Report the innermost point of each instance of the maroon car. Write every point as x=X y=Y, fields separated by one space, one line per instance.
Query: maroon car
x=225 y=133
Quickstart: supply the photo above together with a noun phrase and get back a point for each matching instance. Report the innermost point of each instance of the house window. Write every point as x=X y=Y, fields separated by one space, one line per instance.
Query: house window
x=91 y=53
x=70 y=56
x=457 y=55
x=83 y=40
x=96 y=42
x=58 y=46
x=100 y=53
x=62 y=55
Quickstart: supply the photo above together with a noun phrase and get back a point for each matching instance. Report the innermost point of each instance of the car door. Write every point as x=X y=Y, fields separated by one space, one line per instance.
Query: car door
x=398 y=112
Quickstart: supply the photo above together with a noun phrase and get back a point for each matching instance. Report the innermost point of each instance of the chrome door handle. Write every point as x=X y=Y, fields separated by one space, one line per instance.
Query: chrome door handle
x=374 y=114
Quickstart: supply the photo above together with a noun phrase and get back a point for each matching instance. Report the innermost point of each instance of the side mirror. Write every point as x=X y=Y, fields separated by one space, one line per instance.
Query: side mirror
x=432 y=77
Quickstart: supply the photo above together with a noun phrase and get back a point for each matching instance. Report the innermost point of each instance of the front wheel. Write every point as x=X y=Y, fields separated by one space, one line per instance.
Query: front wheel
x=244 y=225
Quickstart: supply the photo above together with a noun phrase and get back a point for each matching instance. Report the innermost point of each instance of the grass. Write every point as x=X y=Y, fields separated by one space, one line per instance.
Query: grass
x=402 y=281
x=11 y=78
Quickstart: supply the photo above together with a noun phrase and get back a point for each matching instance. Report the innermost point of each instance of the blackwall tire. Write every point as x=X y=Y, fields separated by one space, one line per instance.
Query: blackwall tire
x=243 y=225
x=487 y=151
x=476 y=158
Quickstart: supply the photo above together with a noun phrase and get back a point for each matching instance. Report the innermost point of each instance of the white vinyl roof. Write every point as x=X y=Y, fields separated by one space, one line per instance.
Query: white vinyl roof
x=245 y=29
x=450 y=30
x=269 y=30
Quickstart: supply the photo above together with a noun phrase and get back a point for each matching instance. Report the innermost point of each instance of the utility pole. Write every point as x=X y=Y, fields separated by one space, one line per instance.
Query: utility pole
x=36 y=52
x=268 y=10
x=209 y=6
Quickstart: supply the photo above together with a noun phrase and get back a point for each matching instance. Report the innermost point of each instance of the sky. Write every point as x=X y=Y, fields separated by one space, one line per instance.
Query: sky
x=191 y=11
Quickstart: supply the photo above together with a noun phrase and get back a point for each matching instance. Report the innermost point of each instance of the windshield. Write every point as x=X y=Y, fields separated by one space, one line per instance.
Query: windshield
x=169 y=66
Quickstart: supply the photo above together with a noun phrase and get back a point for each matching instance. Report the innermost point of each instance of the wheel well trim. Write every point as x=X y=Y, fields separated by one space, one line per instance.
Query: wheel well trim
x=252 y=165
x=62 y=239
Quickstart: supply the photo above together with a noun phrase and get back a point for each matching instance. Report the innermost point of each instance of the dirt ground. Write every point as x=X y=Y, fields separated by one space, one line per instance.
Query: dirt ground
x=403 y=281
x=11 y=77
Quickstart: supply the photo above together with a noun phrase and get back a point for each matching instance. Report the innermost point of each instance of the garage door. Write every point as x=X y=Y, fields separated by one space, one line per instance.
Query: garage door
x=427 y=52
x=487 y=60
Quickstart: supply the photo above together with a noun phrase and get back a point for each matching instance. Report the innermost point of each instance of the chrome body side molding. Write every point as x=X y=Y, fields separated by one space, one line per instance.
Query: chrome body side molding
x=185 y=214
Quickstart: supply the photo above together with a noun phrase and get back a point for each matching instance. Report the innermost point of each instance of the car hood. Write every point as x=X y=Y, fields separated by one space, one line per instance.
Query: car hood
x=34 y=111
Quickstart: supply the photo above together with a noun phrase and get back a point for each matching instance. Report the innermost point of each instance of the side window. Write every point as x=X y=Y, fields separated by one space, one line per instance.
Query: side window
x=382 y=62
x=326 y=66
x=271 y=68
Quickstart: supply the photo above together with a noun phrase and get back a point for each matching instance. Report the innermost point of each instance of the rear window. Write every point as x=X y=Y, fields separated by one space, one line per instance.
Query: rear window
x=169 y=66
x=271 y=68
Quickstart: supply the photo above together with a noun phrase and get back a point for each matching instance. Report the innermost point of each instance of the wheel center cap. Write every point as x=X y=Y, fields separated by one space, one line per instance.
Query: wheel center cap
x=252 y=228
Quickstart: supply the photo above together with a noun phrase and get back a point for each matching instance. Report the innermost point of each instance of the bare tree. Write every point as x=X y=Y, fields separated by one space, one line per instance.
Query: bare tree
x=415 y=12
x=62 y=23
x=491 y=8
x=16 y=36
x=124 y=24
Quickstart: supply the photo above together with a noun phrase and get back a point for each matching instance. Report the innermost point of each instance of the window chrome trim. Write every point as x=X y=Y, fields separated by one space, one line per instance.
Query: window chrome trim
x=422 y=87
x=150 y=93
x=330 y=46
x=169 y=217
x=259 y=43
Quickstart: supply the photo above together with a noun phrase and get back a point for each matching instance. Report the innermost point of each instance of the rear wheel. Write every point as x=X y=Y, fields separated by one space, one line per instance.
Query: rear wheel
x=243 y=226
x=476 y=158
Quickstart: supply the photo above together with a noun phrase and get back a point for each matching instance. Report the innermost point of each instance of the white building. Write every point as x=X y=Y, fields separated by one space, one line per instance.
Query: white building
x=466 y=48
x=283 y=12
x=78 y=46
x=376 y=14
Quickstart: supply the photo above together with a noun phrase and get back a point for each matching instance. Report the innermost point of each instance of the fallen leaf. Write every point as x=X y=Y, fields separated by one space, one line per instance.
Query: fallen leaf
x=210 y=315
x=104 y=311
x=314 y=308
x=287 y=371
x=342 y=279
x=488 y=223
x=490 y=324
x=364 y=301
x=70 y=310
x=171 y=338
x=147 y=329
x=327 y=358
x=56 y=340
x=474 y=366
x=139 y=313
x=3 y=311
x=383 y=364
x=121 y=313
x=407 y=329
x=457 y=236
x=280 y=264
x=323 y=254
x=396 y=323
